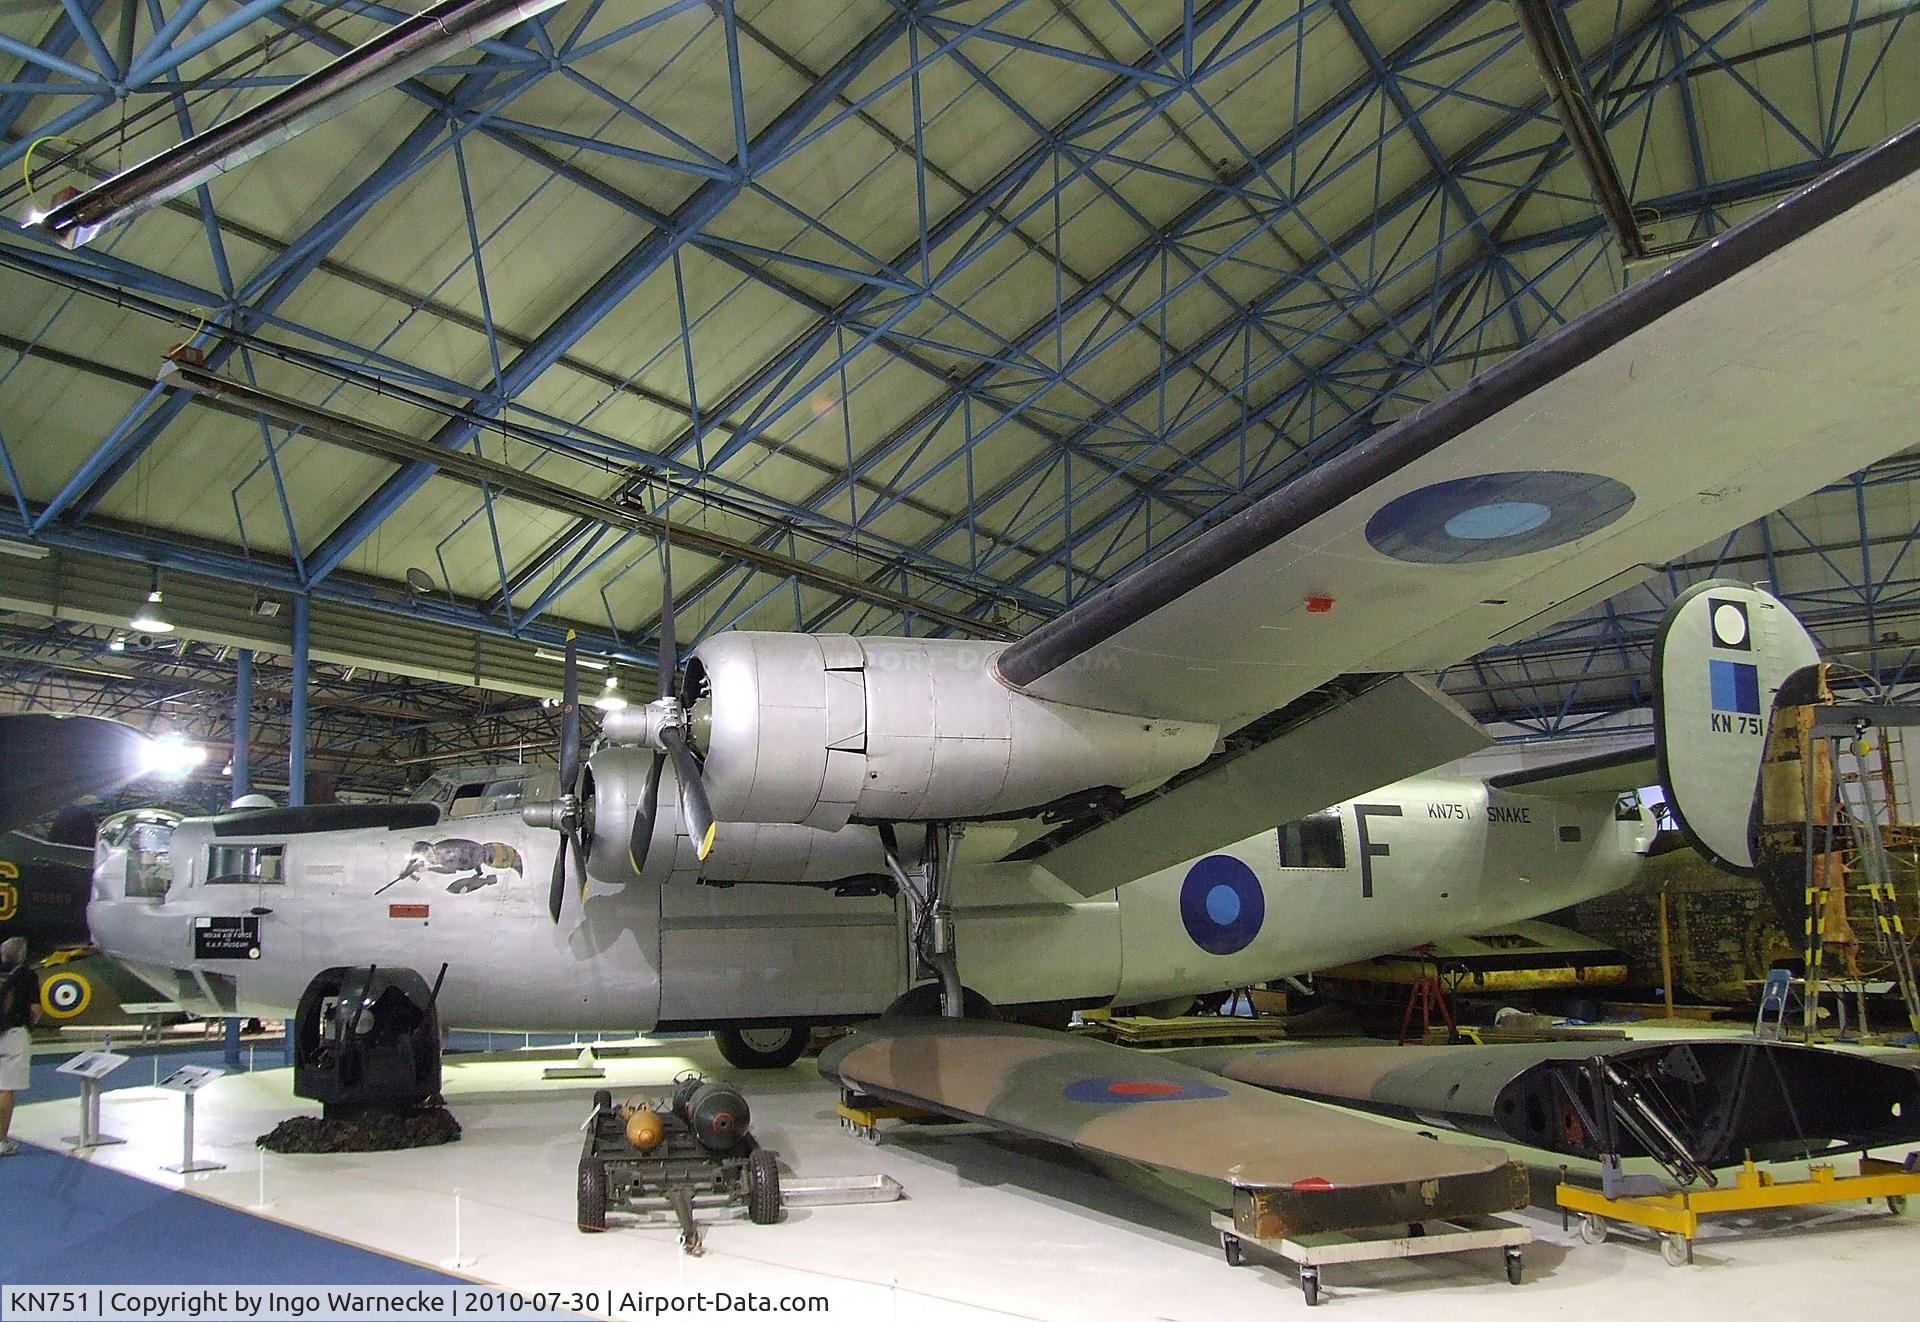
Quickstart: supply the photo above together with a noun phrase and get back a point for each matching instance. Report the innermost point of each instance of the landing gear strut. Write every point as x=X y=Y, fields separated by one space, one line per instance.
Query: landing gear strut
x=928 y=887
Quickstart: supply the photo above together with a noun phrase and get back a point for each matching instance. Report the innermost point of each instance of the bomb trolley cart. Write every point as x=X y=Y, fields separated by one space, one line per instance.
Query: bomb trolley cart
x=695 y=1155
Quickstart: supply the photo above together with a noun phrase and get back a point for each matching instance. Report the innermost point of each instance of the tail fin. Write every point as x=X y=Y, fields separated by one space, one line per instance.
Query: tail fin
x=1722 y=654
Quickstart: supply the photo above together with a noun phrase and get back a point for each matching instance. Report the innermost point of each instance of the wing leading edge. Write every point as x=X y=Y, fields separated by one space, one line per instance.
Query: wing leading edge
x=1777 y=358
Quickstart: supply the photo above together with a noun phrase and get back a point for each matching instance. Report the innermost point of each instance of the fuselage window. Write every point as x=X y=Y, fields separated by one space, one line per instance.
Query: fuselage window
x=248 y=865
x=149 y=862
x=1318 y=841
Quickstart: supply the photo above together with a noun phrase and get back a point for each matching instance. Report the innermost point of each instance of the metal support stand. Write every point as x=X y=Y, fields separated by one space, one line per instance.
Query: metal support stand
x=90 y=1135
x=188 y=1166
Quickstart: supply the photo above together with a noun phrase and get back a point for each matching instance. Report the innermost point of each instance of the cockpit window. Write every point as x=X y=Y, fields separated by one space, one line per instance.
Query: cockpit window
x=146 y=836
x=249 y=865
x=502 y=796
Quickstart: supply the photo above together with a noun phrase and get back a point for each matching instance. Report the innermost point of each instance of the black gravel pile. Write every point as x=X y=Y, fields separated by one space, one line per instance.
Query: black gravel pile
x=427 y=1127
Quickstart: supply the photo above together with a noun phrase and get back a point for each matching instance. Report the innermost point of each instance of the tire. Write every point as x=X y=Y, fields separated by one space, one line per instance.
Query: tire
x=1897 y=1204
x=1310 y=1286
x=770 y=1048
x=592 y=1216
x=923 y=1002
x=1676 y=1249
x=1516 y=1267
x=1594 y=1229
x=602 y=1100
x=763 y=1187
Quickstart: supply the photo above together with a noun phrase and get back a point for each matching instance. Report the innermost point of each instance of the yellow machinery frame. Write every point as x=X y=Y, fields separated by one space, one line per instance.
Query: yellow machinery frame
x=1676 y=1215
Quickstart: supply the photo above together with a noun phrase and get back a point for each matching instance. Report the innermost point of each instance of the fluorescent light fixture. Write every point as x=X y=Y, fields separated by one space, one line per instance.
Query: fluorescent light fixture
x=610 y=699
x=23 y=550
x=170 y=757
x=585 y=662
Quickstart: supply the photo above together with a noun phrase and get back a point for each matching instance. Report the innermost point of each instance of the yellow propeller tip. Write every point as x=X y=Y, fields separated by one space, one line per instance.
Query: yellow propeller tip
x=706 y=845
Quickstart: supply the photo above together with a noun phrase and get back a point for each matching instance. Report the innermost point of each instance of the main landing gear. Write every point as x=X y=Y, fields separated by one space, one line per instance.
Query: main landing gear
x=928 y=888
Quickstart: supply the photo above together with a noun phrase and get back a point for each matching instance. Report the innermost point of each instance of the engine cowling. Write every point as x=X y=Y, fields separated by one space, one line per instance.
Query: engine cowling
x=821 y=729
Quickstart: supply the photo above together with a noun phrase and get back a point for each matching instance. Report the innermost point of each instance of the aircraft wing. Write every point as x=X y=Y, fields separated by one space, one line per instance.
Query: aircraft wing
x=48 y=762
x=1275 y=770
x=1294 y=1165
x=1779 y=357
x=1629 y=767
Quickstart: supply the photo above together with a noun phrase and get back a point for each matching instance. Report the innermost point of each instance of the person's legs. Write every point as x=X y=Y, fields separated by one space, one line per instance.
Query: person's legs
x=16 y=1060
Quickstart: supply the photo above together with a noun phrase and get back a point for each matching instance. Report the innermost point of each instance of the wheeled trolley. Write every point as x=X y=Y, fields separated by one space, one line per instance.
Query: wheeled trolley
x=1311 y=1252
x=674 y=1178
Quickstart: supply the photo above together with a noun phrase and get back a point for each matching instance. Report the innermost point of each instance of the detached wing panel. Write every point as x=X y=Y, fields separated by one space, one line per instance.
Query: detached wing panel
x=1316 y=1167
x=1778 y=358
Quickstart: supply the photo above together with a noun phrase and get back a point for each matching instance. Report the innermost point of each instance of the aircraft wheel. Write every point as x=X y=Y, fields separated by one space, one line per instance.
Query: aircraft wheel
x=1676 y=1249
x=593 y=1198
x=763 y=1187
x=1310 y=1285
x=1515 y=1266
x=1593 y=1229
x=769 y=1048
x=1897 y=1204
x=1230 y=1246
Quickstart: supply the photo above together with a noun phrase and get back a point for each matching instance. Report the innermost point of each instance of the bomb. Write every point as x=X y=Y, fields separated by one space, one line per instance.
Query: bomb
x=644 y=1126
x=714 y=1113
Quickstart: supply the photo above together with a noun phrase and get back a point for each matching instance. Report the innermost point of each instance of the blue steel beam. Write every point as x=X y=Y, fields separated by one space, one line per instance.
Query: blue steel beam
x=642 y=261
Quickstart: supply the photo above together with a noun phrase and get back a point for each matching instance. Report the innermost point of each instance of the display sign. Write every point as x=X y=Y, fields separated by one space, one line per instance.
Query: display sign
x=235 y=937
x=95 y=1065
x=190 y=1078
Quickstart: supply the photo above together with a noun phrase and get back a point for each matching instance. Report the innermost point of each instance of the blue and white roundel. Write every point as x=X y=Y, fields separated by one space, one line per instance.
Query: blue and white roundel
x=1496 y=515
x=1222 y=905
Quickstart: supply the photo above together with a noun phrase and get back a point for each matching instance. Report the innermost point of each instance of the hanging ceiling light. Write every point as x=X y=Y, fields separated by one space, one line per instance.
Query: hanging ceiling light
x=148 y=619
x=610 y=699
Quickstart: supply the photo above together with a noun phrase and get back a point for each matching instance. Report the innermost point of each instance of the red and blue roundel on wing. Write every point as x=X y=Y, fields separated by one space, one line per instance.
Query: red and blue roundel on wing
x=1221 y=904
x=1128 y=1092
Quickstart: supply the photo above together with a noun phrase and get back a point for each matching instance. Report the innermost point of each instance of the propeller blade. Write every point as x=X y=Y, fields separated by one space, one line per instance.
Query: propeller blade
x=669 y=646
x=578 y=855
x=570 y=719
x=643 y=816
x=695 y=812
x=558 y=891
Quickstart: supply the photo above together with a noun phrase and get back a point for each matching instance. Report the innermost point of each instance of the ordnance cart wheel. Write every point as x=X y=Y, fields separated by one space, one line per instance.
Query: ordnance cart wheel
x=593 y=1198
x=1230 y=1246
x=763 y=1187
x=602 y=1100
x=1676 y=1249
x=1515 y=1266
x=1310 y=1285
x=1593 y=1229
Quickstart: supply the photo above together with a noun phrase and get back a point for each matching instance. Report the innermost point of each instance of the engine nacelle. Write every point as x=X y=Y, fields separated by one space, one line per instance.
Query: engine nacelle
x=821 y=729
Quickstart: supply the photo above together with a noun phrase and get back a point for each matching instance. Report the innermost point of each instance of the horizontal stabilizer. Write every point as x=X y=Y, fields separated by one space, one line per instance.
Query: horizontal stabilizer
x=1300 y=1166
x=1397 y=727
x=1696 y=1103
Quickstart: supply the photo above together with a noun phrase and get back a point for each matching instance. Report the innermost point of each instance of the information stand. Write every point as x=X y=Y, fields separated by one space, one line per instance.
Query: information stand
x=188 y=1080
x=91 y=1067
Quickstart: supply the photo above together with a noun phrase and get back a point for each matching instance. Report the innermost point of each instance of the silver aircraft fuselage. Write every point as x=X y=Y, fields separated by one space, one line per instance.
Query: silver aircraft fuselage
x=1426 y=858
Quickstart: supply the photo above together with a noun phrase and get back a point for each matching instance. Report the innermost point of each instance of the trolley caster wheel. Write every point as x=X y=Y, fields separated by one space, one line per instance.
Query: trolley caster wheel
x=1310 y=1285
x=1515 y=1266
x=1897 y=1204
x=1593 y=1229
x=1676 y=1249
x=1415 y=1230
x=1230 y=1246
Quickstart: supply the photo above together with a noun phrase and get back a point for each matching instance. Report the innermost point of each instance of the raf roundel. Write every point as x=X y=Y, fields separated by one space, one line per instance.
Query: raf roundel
x=65 y=995
x=1221 y=904
x=1132 y=1092
x=1496 y=515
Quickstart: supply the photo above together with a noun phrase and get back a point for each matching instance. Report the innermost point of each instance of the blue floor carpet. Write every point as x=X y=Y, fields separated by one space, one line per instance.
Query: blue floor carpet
x=68 y=1222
